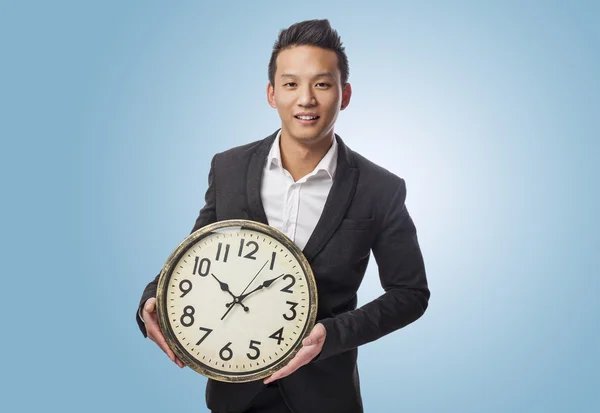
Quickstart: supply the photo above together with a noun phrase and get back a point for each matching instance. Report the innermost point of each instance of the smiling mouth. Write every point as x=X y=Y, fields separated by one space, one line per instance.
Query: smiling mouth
x=303 y=117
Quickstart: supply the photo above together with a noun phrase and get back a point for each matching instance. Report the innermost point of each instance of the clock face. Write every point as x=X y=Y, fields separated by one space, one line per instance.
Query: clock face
x=235 y=300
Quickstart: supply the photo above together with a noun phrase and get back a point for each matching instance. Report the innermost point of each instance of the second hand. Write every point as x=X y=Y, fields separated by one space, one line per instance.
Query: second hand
x=249 y=284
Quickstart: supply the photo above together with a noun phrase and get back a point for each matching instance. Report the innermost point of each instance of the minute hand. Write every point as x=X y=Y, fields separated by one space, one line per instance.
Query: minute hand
x=265 y=284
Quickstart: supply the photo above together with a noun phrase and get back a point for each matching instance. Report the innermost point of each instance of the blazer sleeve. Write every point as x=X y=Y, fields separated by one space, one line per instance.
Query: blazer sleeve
x=402 y=275
x=207 y=215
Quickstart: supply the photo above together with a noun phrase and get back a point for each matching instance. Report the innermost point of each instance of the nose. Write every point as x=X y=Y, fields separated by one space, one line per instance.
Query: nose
x=306 y=97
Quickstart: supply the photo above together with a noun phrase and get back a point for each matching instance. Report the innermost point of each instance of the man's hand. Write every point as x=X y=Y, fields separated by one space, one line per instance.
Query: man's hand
x=154 y=333
x=311 y=347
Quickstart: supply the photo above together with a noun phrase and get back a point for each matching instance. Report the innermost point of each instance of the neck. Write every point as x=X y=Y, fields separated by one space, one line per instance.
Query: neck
x=300 y=159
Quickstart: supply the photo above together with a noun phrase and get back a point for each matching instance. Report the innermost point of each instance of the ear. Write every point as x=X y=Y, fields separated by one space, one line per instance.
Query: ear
x=271 y=96
x=346 y=94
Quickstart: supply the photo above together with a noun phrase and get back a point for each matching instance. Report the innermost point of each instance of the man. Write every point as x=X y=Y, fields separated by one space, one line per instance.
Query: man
x=337 y=207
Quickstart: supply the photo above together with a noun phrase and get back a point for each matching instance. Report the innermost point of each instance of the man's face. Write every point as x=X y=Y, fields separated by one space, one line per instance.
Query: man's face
x=308 y=93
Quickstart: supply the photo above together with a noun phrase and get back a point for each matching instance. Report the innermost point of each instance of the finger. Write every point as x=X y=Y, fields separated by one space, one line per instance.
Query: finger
x=150 y=319
x=155 y=335
x=148 y=312
x=152 y=325
x=316 y=336
x=301 y=358
x=150 y=305
x=308 y=341
x=162 y=343
x=284 y=372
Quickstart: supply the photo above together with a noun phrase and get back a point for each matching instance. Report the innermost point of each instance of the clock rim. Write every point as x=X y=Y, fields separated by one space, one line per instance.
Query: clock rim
x=167 y=271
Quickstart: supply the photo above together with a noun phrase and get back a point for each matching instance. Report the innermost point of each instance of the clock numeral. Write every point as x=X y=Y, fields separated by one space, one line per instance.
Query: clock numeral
x=185 y=286
x=287 y=289
x=188 y=313
x=250 y=255
x=219 y=252
x=253 y=347
x=207 y=331
x=203 y=268
x=278 y=335
x=226 y=354
x=272 y=260
x=292 y=306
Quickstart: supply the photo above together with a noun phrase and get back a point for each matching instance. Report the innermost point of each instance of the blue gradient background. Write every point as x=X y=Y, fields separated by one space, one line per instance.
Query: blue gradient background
x=110 y=115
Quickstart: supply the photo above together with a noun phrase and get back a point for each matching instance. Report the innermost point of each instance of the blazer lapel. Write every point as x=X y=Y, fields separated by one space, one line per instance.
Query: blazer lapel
x=254 y=179
x=338 y=201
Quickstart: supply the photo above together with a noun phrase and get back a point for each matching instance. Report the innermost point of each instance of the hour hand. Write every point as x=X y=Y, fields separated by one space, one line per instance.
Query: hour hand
x=225 y=287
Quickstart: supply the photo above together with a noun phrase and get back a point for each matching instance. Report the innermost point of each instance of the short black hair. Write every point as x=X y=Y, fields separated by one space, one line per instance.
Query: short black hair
x=311 y=33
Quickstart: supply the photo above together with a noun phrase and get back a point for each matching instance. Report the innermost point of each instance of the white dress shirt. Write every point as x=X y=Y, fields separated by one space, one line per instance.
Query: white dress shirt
x=294 y=208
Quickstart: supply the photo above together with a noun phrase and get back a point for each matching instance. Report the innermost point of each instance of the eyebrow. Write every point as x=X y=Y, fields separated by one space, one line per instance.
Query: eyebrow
x=324 y=74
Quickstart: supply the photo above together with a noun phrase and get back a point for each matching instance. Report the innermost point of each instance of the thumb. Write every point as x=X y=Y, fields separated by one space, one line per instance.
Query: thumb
x=314 y=336
x=150 y=304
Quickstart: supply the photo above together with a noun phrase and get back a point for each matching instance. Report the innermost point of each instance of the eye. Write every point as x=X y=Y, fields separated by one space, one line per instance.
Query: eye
x=290 y=84
x=323 y=84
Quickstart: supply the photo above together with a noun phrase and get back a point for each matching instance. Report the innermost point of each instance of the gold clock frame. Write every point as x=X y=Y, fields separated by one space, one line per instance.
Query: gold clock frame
x=165 y=276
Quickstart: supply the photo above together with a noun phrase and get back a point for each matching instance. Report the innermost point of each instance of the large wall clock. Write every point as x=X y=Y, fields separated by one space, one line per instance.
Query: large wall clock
x=235 y=299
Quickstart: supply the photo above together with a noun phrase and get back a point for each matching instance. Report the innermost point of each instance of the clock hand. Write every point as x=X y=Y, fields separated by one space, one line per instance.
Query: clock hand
x=229 y=309
x=271 y=281
x=260 y=287
x=250 y=283
x=231 y=306
x=225 y=287
x=243 y=296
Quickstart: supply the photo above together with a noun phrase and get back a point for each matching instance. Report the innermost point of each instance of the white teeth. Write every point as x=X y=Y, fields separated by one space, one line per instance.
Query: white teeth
x=307 y=117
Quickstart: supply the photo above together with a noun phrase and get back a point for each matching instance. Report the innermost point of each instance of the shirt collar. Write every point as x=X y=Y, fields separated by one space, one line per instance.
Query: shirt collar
x=327 y=164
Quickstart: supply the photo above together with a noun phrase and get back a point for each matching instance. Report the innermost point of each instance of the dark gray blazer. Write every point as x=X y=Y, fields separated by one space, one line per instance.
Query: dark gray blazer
x=364 y=212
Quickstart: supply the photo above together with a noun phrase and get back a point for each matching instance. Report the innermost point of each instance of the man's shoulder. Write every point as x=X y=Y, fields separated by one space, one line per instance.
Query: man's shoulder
x=372 y=172
x=378 y=184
